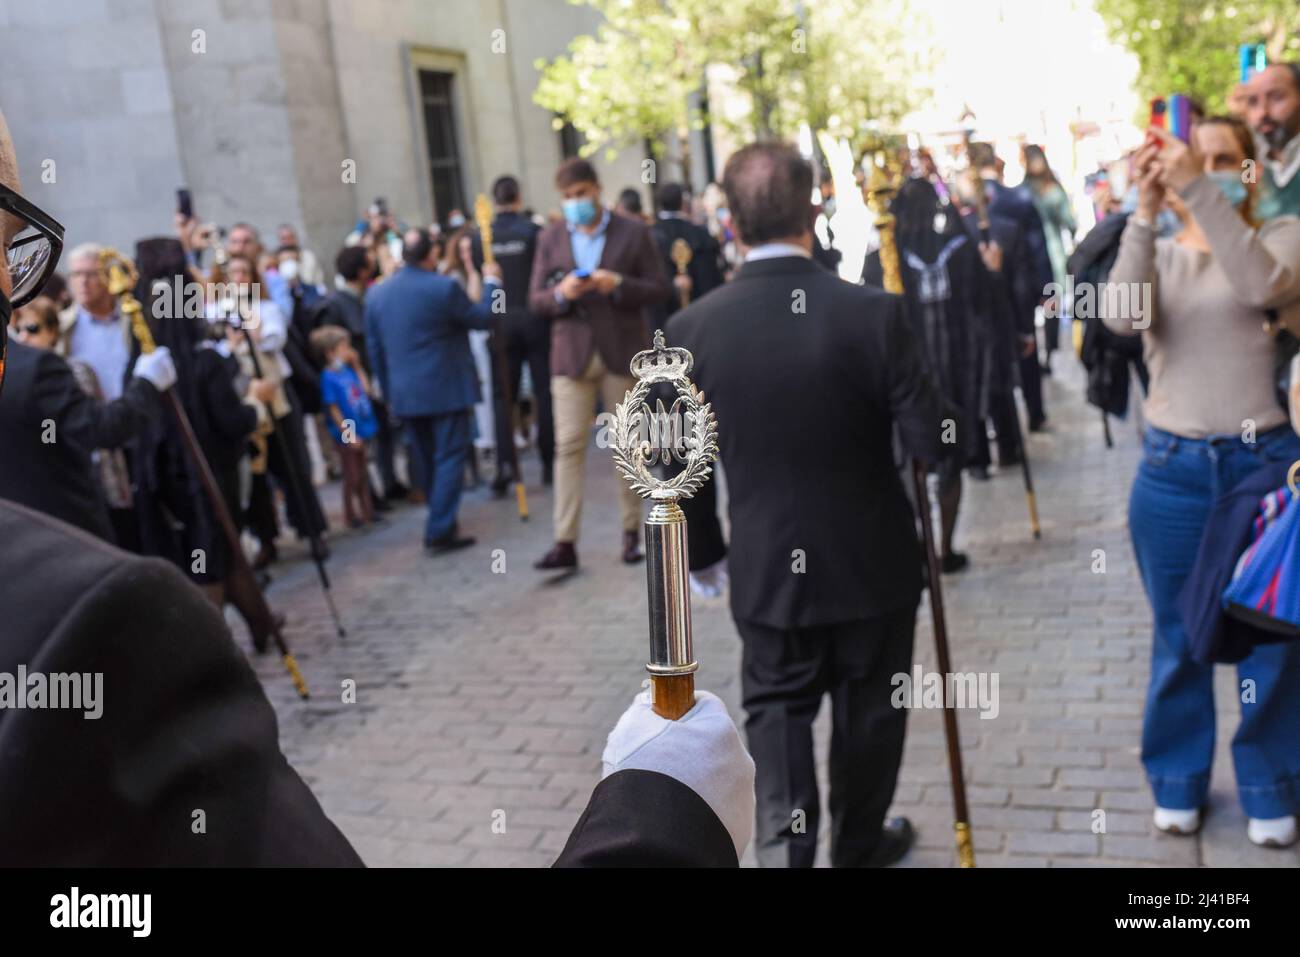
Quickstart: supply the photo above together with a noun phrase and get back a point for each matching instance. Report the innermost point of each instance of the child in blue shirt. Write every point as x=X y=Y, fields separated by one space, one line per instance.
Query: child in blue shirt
x=351 y=419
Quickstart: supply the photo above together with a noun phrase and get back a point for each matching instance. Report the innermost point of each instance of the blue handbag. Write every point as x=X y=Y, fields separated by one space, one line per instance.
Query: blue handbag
x=1265 y=588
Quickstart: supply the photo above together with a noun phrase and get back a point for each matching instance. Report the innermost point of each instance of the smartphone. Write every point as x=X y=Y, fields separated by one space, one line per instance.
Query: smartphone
x=1251 y=58
x=582 y=273
x=1180 y=117
x=1158 y=110
x=184 y=203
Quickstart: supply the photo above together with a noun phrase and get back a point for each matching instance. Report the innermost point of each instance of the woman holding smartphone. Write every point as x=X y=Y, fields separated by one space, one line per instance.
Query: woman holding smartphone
x=1200 y=302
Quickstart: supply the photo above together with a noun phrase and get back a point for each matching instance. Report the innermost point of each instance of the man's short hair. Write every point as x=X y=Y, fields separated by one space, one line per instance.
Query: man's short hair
x=350 y=261
x=573 y=171
x=671 y=196
x=250 y=229
x=84 y=251
x=505 y=191
x=769 y=189
x=417 y=244
x=630 y=200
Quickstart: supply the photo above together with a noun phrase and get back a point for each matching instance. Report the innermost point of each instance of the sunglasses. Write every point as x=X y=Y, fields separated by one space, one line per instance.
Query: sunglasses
x=34 y=252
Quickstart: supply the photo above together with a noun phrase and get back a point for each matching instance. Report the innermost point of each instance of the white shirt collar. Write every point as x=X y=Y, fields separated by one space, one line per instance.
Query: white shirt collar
x=776 y=251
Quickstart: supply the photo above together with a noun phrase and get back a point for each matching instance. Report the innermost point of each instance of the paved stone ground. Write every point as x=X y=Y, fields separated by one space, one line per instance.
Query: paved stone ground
x=482 y=696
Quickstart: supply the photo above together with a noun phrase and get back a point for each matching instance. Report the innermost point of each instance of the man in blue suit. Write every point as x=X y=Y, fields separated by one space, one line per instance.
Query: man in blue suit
x=417 y=325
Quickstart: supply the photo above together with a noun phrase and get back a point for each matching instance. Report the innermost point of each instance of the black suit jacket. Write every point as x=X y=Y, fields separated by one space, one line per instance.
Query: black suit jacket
x=55 y=477
x=184 y=727
x=705 y=267
x=807 y=403
x=646 y=819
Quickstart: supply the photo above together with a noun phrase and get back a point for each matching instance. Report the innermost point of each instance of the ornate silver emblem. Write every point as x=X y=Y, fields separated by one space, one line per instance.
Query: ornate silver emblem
x=640 y=435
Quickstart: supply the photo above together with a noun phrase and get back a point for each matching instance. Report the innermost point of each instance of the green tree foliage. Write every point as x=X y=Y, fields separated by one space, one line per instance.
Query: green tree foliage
x=835 y=64
x=1191 y=47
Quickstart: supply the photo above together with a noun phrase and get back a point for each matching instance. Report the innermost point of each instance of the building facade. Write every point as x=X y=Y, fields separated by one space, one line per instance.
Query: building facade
x=282 y=111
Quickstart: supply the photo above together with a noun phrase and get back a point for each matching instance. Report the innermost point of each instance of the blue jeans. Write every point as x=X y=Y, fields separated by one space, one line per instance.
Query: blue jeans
x=440 y=444
x=1176 y=486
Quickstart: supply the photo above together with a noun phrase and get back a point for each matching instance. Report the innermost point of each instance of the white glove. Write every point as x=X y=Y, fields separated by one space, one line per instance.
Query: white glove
x=156 y=368
x=702 y=750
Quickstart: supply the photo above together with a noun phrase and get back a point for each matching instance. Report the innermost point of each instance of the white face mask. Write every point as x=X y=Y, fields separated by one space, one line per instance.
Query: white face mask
x=289 y=269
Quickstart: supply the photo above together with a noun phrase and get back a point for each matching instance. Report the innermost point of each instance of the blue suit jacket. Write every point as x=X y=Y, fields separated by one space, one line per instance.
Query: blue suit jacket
x=417 y=325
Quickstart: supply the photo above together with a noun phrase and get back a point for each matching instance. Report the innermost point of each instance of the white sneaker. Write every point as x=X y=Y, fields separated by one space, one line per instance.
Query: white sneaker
x=1272 y=831
x=1178 y=821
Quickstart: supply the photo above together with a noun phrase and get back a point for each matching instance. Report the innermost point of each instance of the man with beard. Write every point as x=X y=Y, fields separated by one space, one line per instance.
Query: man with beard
x=1273 y=112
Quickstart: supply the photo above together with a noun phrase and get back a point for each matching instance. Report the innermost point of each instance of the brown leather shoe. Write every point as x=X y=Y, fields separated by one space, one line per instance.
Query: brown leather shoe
x=562 y=557
x=632 y=548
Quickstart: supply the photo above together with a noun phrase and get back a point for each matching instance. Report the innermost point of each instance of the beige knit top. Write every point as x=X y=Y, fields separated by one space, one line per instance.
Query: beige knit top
x=1211 y=361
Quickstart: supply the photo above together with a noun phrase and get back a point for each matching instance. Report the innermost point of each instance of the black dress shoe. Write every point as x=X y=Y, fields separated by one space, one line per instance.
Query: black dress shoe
x=632 y=548
x=562 y=557
x=499 y=487
x=896 y=838
x=381 y=505
x=979 y=472
x=448 y=543
x=953 y=562
x=1037 y=425
x=397 y=492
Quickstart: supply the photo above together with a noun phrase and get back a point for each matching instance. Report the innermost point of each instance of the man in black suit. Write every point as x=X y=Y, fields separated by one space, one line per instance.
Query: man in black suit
x=810 y=377
x=704 y=271
x=524 y=336
x=50 y=427
x=1034 y=264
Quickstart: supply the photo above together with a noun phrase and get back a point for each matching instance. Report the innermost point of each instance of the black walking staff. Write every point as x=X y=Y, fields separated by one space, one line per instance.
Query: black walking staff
x=294 y=490
x=878 y=191
x=121 y=276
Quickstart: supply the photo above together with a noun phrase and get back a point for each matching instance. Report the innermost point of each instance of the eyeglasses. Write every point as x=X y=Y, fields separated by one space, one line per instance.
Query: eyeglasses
x=35 y=250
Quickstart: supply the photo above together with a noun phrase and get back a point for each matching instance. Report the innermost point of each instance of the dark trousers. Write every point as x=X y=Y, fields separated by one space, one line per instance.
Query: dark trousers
x=288 y=463
x=384 y=446
x=784 y=674
x=440 y=444
x=1031 y=385
x=1002 y=414
x=524 y=340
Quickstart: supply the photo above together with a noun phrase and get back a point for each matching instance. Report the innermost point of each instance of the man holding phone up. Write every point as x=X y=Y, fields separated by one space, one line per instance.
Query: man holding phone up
x=592 y=276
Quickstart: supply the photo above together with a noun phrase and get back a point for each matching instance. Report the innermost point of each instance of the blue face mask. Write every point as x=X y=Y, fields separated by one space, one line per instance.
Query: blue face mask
x=1230 y=185
x=579 y=212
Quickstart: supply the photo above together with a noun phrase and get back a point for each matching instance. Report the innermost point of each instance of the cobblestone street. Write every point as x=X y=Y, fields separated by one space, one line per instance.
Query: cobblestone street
x=480 y=692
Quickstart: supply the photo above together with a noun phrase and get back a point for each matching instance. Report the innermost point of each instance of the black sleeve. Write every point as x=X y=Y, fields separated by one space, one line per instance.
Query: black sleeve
x=182 y=767
x=229 y=416
x=915 y=402
x=78 y=418
x=646 y=819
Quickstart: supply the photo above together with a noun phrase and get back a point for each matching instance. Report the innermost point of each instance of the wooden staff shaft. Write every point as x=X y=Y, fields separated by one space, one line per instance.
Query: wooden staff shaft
x=961 y=814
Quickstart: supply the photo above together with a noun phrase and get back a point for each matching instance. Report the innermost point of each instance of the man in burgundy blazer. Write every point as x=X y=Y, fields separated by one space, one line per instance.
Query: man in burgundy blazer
x=592 y=276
